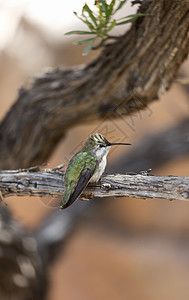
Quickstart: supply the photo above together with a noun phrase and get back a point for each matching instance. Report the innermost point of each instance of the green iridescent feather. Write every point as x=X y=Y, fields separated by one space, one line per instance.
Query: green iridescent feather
x=79 y=162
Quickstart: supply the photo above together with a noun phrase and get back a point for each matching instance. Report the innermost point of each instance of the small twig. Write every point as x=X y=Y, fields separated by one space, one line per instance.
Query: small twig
x=103 y=41
x=145 y=172
x=59 y=167
x=34 y=168
x=113 y=37
x=99 y=45
x=136 y=2
x=181 y=80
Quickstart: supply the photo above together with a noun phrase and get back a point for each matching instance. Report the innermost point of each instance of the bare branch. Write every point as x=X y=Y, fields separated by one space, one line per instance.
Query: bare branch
x=128 y=75
x=50 y=183
x=182 y=80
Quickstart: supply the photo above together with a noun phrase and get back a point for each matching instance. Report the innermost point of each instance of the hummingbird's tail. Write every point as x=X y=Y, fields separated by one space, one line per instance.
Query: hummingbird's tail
x=65 y=200
x=69 y=196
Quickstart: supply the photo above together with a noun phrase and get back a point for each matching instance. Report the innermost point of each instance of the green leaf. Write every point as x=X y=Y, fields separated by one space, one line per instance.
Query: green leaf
x=132 y=16
x=88 y=47
x=119 y=6
x=125 y=22
x=104 y=6
x=111 y=7
x=90 y=25
x=101 y=35
x=131 y=20
x=100 y=16
x=89 y=11
x=112 y=25
x=81 y=42
x=75 y=13
x=79 y=32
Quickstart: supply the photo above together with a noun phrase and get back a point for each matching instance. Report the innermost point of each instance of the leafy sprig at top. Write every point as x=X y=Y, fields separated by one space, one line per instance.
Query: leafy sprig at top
x=100 y=22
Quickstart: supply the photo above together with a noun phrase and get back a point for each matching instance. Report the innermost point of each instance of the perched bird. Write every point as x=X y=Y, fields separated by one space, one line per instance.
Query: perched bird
x=86 y=166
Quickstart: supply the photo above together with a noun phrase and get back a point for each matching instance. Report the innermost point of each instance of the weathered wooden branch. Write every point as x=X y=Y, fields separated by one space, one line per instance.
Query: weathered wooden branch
x=50 y=183
x=127 y=76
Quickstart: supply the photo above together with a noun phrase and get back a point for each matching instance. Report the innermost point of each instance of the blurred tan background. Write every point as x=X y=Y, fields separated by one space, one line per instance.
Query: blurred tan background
x=133 y=249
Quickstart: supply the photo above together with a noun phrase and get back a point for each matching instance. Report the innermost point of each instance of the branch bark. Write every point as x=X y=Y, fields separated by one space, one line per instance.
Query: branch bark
x=126 y=77
x=50 y=183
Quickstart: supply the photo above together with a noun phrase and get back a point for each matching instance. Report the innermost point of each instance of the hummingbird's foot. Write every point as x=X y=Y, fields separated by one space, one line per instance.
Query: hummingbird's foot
x=106 y=186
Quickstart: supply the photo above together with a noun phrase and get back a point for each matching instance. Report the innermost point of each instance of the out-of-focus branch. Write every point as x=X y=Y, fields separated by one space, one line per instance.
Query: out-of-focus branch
x=126 y=77
x=58 y=227
x=155 y=150
x=50 y=183
x=182 y=80
x=23 y=273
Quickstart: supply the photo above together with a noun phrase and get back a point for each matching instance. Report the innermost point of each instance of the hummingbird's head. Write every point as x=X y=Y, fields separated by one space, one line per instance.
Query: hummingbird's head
x=97 y=143
x=99 y=140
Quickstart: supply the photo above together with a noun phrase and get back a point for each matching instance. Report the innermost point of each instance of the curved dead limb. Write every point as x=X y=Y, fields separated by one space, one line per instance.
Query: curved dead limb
x=126 y=77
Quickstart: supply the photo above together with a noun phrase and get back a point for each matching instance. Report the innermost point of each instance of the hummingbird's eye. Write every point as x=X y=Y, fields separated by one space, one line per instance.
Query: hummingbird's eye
x=101 y=145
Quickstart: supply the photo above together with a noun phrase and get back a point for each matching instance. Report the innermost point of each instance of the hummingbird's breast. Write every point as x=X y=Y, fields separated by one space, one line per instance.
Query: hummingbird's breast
x=101 y=158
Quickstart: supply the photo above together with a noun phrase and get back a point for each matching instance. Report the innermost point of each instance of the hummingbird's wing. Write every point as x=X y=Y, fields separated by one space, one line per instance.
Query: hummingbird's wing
x=80 y=169
x=83 y=180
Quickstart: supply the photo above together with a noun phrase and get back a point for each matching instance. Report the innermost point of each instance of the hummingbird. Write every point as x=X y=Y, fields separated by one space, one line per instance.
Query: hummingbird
x=86 y=166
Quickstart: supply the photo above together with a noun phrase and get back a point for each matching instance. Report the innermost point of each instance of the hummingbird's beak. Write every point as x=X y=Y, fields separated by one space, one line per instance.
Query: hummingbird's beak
x=112 y=144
